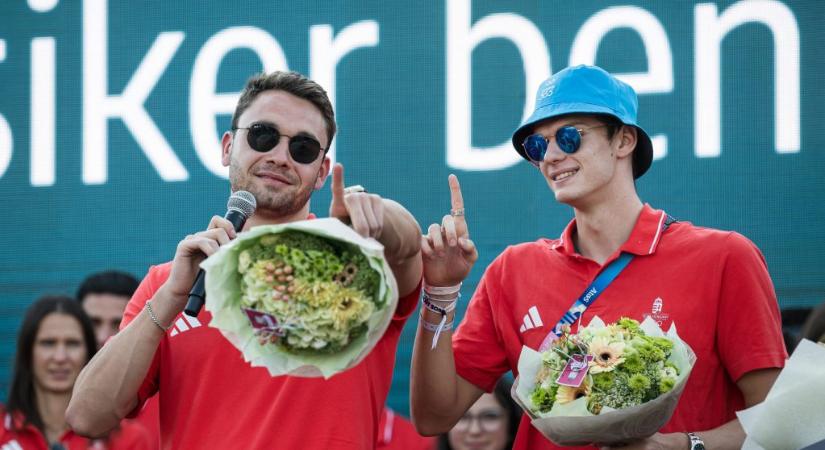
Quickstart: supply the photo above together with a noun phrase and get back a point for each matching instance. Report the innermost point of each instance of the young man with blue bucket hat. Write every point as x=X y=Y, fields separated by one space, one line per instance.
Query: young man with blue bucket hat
x=585 y=140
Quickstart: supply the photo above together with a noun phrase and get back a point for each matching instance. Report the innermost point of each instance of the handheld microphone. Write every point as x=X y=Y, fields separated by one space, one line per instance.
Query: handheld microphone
x=240 y=206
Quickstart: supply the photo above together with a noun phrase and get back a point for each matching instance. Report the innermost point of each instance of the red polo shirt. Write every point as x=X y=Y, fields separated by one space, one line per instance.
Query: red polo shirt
x=396 y=432
x=149 y=417
x=16 y=434
x=211 y=398
x=713 y=285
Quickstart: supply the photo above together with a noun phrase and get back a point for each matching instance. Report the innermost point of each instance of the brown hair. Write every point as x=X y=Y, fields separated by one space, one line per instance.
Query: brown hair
x=21 y=392
x=290 y=82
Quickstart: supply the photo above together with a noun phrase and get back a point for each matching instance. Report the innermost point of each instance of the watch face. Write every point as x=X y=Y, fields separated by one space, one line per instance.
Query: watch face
x=698 y=446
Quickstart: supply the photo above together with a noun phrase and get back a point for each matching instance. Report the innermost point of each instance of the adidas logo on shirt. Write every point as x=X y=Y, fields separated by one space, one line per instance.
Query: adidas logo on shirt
x=13 y=445
x=531 y=320
x=184 y=323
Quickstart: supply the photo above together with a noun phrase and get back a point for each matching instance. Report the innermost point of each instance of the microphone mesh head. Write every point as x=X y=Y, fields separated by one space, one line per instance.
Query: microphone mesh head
x=243 y=202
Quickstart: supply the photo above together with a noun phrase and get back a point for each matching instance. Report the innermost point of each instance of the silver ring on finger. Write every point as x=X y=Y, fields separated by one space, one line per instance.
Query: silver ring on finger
x=457 y=212
x=354 y=189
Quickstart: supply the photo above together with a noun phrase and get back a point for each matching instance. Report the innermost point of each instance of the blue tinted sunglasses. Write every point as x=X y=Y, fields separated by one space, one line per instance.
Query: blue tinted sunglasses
x=568 y=138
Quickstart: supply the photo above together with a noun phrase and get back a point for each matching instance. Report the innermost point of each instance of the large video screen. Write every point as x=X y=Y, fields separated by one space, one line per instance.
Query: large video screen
x=111 y=116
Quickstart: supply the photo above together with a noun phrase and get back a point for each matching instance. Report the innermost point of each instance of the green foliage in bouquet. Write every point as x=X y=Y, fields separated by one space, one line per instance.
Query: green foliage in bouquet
x=628 y=368
x=322 y=292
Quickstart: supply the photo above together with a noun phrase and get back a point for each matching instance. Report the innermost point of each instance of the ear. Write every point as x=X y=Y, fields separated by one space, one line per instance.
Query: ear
x=226 y=148
x=323 y=173
x=626 y=141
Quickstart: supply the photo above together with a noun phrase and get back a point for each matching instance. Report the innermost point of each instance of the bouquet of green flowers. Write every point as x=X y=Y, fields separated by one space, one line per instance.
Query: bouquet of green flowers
x=606 y=384
x=307 y=298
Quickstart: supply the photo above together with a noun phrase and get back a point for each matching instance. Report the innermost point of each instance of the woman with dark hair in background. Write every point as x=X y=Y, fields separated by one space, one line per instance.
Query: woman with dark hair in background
x=490 y=424
x=56 y=340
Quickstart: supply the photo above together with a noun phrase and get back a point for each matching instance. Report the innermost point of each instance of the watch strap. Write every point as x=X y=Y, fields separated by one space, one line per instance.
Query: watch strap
x=696 y=443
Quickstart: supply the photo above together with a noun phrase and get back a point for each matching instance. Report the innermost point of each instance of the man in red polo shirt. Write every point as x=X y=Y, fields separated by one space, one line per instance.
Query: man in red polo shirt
x=209 y=396
x=584 y=139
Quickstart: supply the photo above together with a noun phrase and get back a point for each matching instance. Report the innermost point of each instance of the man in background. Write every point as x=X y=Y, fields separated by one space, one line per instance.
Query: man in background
x=104 y=296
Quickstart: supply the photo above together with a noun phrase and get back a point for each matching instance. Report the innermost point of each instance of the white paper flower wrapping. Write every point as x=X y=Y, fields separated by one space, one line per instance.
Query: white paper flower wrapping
x=223 y=300
x=571 y=424
x=792 y=415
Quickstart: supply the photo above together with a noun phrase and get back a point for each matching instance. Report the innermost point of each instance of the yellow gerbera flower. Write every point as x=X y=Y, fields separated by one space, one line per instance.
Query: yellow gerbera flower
x=606 y=355
x=567 y=394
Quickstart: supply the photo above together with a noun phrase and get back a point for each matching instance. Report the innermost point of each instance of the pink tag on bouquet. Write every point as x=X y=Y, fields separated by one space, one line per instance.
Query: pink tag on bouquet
x=263 y=322
x=575 y=371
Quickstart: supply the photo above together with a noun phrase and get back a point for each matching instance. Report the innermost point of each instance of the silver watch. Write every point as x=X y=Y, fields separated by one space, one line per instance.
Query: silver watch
x=696 y=443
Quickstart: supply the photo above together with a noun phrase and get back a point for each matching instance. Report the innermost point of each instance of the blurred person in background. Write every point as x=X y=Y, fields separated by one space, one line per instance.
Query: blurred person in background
x=490 y=424
x=55 y=341
x=814 y=327
x=104 y=296
x=396 y=432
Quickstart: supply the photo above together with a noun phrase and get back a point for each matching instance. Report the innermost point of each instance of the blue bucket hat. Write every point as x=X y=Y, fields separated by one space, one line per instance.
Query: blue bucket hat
x=588 y=90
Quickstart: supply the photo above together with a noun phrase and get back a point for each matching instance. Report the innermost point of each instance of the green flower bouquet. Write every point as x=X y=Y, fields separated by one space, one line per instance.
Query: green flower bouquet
x=606 y=384
x=308 y=298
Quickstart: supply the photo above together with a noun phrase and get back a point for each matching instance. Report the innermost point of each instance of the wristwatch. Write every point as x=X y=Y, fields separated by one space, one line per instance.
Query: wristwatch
x=696 y=443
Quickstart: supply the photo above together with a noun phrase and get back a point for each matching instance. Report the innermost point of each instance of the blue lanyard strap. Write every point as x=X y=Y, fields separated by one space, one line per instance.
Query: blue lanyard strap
x=588 y=297
x=592 y=292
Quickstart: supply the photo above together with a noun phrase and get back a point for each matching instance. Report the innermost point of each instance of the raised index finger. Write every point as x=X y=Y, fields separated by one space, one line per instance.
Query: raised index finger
x=457 y=205
x=456 y=200
x=338 y=183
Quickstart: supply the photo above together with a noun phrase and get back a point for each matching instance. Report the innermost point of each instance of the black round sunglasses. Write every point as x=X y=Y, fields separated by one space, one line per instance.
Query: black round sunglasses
x=263 y=137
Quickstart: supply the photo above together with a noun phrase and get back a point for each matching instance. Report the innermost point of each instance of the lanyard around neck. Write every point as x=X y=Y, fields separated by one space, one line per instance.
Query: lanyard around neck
x=592 y=292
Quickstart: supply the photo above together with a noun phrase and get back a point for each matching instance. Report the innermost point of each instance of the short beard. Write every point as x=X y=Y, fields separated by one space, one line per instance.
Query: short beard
x=281 y=203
